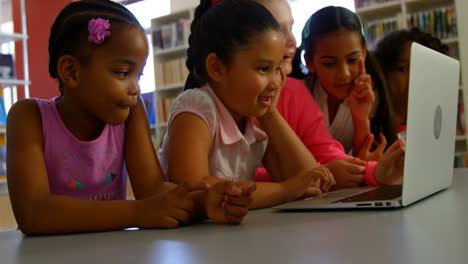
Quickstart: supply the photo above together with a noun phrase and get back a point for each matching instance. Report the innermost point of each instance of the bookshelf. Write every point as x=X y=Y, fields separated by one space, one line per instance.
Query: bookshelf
x=8 y=79
x=9 y=37
x=170 y=43
x=383 y=16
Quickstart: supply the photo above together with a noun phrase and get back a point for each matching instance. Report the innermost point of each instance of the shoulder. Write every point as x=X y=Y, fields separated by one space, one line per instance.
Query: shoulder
x=295 y=91
x=195 y=98
x=24 y=115
x=23 y=109
x=295 y=87
x=196 y=101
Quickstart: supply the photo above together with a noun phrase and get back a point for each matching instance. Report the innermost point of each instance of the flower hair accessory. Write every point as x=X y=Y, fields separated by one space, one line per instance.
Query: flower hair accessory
x=213 y=2
x=98 y=30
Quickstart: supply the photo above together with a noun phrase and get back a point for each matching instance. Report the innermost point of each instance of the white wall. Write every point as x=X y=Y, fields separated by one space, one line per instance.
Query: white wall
x=5 y=11
x=177 y=5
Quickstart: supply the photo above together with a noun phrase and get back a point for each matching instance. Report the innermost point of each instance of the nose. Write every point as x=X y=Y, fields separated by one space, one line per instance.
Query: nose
x=344 y=72
x=276 y=80
x=290 y=39
x=134 y=88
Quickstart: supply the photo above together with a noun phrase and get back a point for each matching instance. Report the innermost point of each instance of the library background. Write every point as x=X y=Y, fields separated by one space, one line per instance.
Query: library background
x=168 y=23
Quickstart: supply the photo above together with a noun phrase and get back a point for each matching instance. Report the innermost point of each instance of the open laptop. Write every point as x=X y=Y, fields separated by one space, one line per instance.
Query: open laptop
x=430 y=140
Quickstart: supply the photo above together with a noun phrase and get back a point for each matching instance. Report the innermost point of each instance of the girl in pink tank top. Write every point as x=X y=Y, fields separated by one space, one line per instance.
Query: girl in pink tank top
x=66 y=155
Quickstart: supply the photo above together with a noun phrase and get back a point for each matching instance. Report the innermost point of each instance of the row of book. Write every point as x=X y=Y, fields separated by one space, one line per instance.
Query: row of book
x=171 y=72
x=171 y=35
x=163 y=105
x=376 y=29
x=364 y=3
x=460 y=160
x=440 y=22
x=7 y=68
x=148 y=101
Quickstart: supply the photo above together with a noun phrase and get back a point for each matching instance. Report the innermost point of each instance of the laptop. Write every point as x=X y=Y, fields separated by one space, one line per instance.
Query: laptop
x=430 y=140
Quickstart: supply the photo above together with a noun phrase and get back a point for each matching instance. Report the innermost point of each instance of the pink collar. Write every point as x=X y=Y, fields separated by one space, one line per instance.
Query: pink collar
x=228 y=130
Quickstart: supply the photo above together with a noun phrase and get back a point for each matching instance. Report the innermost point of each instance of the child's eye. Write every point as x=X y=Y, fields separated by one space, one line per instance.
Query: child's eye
x=264 y=69
x=328 y=64
x=402 y=69
x=352 y=60
x=121 y=73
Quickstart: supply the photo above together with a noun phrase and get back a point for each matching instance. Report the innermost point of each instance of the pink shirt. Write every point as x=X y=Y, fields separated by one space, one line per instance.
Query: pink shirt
x=91 y=170
x=233 y=155
x=303 y=114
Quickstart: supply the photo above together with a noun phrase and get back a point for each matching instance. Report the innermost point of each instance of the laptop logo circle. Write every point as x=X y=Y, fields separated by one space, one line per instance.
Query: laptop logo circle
x=437 y=122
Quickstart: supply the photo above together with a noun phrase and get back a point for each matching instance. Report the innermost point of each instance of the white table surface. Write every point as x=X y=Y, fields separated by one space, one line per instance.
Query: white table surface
x=433 y=230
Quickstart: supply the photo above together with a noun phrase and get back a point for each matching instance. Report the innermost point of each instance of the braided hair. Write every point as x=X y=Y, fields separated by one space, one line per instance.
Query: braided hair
x=69 y=32
x=222 y=29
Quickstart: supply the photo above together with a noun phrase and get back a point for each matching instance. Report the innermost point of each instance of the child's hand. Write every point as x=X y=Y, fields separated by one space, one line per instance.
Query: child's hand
x=362 y=96
x=390 y=168
x=228 y=202
x=308 y=183
x=280 y=83
x=347 y=172
x=169 y=209
x=365 y=152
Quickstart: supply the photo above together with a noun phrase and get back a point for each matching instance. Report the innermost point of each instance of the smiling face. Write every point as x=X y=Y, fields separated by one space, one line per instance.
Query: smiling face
x=249 y=83
x=335 y=61
x=281 y=10
x=108 y=79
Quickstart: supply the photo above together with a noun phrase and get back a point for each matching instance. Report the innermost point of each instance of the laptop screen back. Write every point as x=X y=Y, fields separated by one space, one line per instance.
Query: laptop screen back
x=431 y=123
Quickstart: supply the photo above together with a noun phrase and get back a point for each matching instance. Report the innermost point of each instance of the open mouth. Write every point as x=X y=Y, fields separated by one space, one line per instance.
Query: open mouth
x=266 y=100
x=287 y=58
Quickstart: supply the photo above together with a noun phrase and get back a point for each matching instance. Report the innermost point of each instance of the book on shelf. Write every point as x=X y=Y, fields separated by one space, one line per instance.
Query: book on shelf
x=171 y=72
x=365 y=3
x=3 y=114
x=2 y=136
x=163 y=108
x=148 y=101
x=7 y=68
x=171 y=35
x=441 y=22
x=460 y=160
x=378 y=28
x=2 y=160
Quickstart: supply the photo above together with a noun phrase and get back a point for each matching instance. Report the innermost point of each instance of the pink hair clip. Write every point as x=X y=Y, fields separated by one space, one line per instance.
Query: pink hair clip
x=98 y=30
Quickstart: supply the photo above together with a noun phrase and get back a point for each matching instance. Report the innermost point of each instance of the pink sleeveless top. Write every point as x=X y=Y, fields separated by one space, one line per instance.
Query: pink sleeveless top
x=92 y=170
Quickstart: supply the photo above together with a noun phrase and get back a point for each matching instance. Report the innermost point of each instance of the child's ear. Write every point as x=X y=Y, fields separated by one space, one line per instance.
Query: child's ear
x=309 y=64
x=214 y=67
x=67 y=70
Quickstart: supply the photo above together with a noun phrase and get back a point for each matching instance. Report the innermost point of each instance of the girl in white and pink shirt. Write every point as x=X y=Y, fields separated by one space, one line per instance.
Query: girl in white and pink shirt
x=229 y=125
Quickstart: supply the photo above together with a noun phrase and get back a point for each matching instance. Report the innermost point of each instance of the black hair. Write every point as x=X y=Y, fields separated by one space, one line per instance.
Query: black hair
x=326 y=20
x=69 y=32
x=222 y=29
x=382 y=120
x=331 y=19
x=390 y=47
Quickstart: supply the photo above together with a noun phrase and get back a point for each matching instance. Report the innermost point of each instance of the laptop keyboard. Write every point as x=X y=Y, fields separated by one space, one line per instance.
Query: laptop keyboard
x=386 y=192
